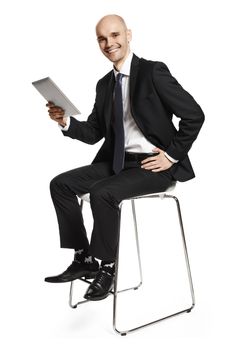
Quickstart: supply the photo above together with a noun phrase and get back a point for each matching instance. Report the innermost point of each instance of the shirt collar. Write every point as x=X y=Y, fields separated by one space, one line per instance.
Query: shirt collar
x=125 y=69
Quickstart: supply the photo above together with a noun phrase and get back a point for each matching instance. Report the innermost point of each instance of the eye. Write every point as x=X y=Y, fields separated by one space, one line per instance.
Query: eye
x=100 y=40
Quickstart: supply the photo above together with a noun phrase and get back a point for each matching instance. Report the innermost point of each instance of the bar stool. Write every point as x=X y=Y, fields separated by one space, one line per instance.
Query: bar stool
x=115 y=292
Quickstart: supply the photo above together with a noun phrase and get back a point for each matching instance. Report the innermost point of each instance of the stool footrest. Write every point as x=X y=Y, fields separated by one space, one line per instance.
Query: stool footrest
x=74 y=305
x=125 y=332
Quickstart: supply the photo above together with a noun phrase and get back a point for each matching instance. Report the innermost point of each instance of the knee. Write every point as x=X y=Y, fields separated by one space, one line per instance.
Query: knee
x=57 y=182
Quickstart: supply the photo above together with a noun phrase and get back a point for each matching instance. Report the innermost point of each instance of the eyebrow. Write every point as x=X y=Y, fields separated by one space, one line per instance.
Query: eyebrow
x=103 y=37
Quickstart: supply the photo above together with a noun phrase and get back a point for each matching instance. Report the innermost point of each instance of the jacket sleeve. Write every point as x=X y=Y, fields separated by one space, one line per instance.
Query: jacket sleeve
x=89 y=131
x=182 y=104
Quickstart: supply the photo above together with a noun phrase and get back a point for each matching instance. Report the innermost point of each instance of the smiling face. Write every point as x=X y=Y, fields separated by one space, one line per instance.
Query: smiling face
x=114 y=38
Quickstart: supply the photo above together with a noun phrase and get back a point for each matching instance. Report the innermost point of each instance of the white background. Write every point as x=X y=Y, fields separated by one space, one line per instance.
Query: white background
x=57 y=38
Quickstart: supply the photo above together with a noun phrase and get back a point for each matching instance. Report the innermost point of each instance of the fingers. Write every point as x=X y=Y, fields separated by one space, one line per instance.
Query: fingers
x=157 y=170
x=152 y=157
x=57 y=116
x=53 y=108
x=55 y=112
x=49 y=104
x=151 y=163
x=156 y=163
x=149 y=159
x=157 y=150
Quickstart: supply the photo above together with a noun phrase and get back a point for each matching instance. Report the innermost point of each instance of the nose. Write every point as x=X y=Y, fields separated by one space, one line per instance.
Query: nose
x=109 y=42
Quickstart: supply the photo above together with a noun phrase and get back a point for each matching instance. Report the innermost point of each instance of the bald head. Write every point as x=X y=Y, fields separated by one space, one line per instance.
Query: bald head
x=114 y=38
x=107 y=20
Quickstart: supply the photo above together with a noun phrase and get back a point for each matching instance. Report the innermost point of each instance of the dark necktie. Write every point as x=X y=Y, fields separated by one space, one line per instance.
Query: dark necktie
x=119 y=144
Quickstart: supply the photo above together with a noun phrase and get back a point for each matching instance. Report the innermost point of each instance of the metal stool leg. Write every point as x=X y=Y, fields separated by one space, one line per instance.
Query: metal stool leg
x=125 y=332
x=71 y=302
x=185 y=249
x=137 y=241
x=117 y=266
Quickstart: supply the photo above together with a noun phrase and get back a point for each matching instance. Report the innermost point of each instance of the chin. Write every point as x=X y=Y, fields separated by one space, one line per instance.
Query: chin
x=112 y=59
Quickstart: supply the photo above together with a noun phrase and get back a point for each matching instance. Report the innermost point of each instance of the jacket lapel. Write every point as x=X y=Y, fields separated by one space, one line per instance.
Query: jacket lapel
x=108 y=100
x=133 y=75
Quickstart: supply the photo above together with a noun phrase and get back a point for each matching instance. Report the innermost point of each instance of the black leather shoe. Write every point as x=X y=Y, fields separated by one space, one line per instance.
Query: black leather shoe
x=101 y=287
x=76 y=270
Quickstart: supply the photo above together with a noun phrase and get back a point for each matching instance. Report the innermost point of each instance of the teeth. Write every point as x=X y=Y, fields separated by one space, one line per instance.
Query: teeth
x=112 y=50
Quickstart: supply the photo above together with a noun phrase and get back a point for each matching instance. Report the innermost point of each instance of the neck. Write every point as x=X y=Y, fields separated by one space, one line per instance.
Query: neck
x=119 y=64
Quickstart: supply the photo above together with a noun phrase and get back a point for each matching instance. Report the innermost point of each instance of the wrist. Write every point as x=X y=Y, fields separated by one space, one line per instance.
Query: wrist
x=63 y=122
x=171 y=160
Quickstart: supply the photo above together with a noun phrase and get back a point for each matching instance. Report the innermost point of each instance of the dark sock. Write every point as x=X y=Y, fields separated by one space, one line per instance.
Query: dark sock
x=81 y=255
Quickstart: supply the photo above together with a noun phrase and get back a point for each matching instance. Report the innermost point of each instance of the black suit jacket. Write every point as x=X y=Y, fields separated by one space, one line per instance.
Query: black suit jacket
x=155 y=95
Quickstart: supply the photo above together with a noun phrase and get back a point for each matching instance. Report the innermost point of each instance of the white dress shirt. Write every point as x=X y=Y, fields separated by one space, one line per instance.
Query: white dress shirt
x=135 y=141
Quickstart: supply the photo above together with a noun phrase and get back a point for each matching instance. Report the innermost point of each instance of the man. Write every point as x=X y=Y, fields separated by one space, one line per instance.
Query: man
x=143 y=153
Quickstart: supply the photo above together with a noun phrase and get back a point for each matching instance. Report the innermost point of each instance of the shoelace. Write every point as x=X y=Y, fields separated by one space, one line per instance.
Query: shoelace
x=102 y=278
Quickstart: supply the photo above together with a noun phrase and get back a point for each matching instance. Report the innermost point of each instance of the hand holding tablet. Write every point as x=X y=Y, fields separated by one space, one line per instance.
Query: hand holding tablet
x=57 y=100
x=56 y=113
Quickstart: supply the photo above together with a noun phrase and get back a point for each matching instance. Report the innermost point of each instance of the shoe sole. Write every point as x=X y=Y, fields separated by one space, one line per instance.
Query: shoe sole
x=87 y=275
x=98 y=298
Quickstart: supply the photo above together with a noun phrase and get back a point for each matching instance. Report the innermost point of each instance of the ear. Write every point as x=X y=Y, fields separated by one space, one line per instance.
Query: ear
x=129 y=35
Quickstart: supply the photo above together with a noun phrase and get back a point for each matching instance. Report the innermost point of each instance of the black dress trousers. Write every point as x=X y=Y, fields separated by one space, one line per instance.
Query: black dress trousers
x=106 y=190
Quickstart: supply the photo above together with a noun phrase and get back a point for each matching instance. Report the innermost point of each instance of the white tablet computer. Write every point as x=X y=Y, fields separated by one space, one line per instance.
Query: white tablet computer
x=51 y=92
